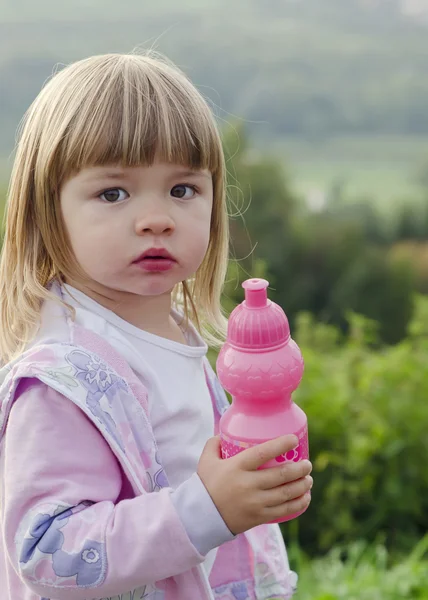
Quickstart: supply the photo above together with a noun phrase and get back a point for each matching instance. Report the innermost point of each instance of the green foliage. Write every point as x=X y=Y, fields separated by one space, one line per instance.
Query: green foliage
x=261 y=204
x=368 y=418
x=365 y=574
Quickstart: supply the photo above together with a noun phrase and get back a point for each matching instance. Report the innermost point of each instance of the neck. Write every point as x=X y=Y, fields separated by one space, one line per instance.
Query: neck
x=149 y=313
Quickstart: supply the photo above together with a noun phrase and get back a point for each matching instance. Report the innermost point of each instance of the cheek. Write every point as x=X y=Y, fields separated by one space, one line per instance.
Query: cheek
x=198 y=239
x=80 y=237
x=200 y=230
x=90 y=239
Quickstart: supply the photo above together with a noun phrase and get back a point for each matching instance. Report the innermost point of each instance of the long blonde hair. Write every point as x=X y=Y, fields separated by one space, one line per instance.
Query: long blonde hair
x=114 y=108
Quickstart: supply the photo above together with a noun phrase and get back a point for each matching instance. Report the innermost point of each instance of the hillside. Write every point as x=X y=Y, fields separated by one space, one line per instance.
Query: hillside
x=312 y=68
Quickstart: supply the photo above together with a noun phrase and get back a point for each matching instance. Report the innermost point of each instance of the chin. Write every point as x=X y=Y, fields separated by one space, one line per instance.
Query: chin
x=155 y=289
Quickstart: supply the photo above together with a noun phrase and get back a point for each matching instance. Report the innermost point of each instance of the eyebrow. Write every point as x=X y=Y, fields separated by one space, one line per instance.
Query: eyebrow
x=106 y=175
x=190 y=173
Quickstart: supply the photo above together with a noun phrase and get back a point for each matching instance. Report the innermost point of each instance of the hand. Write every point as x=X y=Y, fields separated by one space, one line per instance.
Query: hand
x=245 y=496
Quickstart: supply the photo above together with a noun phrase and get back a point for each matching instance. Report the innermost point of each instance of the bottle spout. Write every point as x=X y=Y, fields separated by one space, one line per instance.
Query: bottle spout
x=256 y=293
x=257 y=323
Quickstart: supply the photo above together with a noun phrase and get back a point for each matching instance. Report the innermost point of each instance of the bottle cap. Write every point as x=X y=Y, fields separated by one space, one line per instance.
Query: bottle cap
x=257 y=323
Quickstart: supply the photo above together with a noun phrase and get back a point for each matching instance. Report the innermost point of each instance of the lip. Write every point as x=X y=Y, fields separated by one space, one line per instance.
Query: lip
x=155 y=260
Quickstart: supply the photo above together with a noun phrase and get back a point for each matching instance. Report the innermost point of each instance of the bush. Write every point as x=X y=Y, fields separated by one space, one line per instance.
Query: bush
x=368 y=421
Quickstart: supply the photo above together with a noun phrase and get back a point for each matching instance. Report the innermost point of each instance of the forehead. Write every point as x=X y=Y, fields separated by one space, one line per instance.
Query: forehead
x=158 y=170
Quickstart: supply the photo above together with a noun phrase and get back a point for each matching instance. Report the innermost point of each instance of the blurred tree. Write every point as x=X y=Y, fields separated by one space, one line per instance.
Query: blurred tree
x=326 y=263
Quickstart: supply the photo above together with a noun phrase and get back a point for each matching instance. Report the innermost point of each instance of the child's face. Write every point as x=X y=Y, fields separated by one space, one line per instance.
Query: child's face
x=114 y=215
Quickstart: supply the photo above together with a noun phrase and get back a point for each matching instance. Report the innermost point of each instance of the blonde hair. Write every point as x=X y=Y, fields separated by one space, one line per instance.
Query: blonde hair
x=114 y=108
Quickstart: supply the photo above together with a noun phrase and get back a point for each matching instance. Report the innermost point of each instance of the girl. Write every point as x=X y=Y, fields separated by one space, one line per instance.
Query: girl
x=113 y=261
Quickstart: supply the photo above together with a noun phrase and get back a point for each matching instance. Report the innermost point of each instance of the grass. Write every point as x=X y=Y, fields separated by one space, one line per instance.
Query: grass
x=380 y=168
x=366 y=574
x=382 y=181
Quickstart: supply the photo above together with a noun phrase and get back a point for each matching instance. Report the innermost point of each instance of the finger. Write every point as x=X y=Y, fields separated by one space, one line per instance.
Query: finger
x=288 y=508
x=253 y=458
x=290 y=491
x=284 y=473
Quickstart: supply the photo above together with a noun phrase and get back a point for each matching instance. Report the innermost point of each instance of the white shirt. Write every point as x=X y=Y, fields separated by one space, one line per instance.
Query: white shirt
x=179 y=400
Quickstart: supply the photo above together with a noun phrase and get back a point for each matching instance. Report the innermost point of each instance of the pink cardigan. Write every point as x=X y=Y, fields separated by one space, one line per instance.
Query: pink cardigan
x=86 y=511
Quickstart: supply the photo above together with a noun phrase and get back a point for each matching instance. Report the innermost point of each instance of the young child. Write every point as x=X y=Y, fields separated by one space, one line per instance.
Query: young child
x=113 y=261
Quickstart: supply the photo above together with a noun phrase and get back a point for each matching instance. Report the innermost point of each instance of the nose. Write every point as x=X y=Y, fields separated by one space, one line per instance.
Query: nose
x=156 y=222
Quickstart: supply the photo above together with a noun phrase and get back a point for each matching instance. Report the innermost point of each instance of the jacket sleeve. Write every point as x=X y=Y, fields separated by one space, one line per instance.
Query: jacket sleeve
x=71 y=533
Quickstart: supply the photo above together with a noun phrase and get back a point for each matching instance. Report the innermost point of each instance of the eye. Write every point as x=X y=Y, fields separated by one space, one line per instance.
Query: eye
x=183 y=191
x=114 y=195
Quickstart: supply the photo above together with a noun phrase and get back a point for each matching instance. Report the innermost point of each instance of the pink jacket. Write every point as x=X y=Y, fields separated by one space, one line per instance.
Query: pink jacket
x=86 y=511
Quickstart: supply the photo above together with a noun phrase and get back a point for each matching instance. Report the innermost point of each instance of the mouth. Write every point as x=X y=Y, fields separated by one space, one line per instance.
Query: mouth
x=155 y=260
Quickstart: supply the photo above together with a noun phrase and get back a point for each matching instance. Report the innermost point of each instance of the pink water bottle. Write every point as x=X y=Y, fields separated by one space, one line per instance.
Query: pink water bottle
x=260 y=366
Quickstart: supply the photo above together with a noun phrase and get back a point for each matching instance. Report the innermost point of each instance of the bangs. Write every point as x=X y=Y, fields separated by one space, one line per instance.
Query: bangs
x=133 y=111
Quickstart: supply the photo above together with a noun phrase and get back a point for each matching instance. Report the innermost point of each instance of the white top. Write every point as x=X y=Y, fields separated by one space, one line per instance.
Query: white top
x=180 y=405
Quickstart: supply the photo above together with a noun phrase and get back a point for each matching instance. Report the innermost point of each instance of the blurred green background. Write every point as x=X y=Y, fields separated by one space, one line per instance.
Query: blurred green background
x=323 y=106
